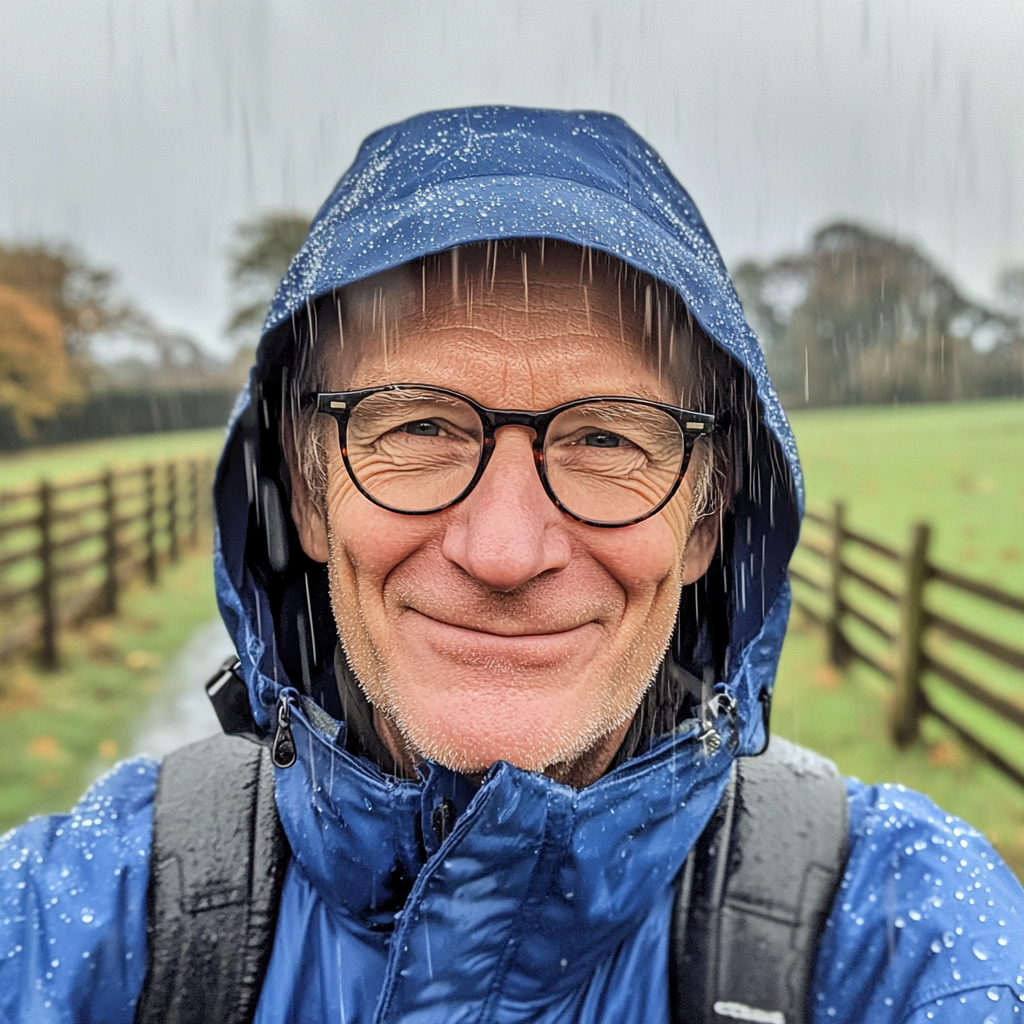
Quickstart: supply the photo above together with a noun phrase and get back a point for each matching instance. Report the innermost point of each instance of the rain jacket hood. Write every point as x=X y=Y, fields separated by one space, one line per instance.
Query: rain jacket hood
x=433 y=182
x=518 y=898
x=455 y=177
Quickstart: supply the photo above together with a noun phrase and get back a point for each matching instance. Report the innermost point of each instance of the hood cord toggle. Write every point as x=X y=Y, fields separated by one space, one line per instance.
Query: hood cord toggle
x=282 y=753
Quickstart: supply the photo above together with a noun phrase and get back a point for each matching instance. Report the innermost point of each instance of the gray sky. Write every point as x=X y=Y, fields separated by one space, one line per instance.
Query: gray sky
x=143 y=132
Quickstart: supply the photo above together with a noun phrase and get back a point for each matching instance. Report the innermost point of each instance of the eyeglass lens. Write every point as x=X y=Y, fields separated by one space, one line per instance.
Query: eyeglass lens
x=606 y=461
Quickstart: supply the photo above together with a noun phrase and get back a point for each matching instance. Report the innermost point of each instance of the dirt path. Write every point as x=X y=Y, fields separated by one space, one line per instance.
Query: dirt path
x=181 y=712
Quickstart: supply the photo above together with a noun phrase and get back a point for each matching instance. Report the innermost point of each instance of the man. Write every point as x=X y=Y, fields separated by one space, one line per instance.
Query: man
x=542 y=491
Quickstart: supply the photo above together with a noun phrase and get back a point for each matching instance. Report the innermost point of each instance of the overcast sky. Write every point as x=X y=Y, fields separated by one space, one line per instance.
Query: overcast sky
x=143 y=133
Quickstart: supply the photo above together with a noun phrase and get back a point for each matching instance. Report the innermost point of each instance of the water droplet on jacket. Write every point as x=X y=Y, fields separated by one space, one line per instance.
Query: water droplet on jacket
x=948 y=939
x=993 y=994
x=980 y=951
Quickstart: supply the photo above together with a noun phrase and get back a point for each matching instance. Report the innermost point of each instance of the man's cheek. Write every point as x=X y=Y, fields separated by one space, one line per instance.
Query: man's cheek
x=641 y=562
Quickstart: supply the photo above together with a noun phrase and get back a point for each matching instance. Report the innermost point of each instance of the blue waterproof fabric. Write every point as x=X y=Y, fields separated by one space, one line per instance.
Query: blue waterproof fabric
x=544 y=904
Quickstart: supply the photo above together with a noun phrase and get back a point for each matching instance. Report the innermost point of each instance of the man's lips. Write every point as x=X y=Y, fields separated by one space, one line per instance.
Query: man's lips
x=527 y=650
x=511 y=631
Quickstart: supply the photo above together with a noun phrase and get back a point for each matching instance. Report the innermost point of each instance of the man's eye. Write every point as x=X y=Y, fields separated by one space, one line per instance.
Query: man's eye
x=422 y=428
x=602 y=439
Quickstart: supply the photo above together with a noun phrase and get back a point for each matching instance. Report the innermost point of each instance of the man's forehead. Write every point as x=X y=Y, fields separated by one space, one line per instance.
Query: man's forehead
x=484 y=282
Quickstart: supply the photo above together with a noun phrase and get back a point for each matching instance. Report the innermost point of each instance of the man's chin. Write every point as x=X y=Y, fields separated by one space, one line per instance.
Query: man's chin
x=469 y=732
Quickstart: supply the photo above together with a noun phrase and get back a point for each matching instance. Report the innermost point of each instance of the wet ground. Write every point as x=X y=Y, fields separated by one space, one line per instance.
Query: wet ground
x=181 y=712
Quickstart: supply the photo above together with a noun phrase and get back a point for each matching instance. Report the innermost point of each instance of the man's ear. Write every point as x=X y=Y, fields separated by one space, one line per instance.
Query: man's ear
x=700 y=547
x=307 y=512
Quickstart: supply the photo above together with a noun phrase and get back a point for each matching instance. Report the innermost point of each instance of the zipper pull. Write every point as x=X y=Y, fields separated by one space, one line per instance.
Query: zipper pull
x=711 y=740
x=282 y=753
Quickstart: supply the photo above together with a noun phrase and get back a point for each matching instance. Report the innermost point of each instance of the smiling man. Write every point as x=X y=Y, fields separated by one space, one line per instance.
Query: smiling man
x=503 y=519
x=497 y=601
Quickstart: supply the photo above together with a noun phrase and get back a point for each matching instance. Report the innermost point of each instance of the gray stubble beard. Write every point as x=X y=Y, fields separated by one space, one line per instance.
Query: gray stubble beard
x=635 y=673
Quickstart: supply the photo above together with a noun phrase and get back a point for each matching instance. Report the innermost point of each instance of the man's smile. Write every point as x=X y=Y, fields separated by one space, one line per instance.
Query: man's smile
x=511 y=644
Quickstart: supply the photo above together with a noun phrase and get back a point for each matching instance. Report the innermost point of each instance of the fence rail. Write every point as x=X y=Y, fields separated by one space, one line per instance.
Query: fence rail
x=950 y=645
x=67 y=548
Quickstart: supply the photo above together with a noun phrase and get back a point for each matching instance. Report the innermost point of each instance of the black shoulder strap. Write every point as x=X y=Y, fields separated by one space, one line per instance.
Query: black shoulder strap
x=754 y=894
x=216 y=870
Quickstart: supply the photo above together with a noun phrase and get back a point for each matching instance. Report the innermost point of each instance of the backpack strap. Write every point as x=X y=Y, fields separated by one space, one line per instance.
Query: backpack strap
x=756 y=890
x=216 y=870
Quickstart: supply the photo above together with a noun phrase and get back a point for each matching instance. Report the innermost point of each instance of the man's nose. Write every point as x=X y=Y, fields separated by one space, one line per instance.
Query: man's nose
x=508 y=530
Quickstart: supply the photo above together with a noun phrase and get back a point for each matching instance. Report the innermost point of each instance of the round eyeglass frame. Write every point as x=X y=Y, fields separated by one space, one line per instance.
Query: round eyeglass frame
x=692 y=425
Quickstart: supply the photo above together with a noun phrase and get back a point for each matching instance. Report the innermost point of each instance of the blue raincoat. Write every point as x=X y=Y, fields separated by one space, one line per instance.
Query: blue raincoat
x=544 y=903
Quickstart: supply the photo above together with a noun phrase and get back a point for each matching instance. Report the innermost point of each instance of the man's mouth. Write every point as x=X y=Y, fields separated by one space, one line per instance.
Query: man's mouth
x=512 y=645
x=509 y=630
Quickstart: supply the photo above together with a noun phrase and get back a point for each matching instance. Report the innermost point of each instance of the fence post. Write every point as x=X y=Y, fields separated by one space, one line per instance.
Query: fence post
x=193 y=502
x=172 y=511
x=908 y=703
x=49 y=655
x=838 y=651
x=149 y=487
x=110 y=544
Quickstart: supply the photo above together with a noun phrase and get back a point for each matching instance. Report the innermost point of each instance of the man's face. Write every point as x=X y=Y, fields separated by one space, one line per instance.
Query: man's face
x=499 y=629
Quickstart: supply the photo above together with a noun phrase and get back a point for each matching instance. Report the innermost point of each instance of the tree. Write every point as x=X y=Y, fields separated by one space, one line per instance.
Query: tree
x=109 y=338
x=262 y=250
x=34 y=364
x=56 y=278
x=863 y=317
x=1010 y=293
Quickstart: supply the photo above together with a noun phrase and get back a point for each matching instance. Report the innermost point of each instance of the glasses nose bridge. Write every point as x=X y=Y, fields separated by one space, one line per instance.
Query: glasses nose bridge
x=495 y=419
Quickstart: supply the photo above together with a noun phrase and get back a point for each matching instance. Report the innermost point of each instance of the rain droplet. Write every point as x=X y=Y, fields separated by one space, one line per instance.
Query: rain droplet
x=980 y=951
x=993 y=994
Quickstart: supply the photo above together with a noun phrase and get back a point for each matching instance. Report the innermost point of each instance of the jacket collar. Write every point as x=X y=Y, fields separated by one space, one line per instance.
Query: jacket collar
x=582 y=866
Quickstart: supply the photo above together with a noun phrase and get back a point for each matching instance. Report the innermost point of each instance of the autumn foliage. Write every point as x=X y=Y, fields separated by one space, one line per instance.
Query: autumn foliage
x=35 y=372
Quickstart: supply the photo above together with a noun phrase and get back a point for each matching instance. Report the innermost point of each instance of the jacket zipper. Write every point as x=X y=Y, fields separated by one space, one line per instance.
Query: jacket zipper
x=282 y=753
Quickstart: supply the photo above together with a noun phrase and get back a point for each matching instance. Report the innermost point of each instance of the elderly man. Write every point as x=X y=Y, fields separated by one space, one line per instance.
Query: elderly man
x=503 y=525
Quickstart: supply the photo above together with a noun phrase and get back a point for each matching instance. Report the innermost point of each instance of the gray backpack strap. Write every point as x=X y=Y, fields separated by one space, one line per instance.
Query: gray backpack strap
x=216 y=870
x=756 y=890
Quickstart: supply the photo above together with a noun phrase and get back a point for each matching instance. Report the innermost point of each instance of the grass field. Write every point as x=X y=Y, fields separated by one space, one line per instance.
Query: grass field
x=83 y=459
x=59 y=729
x=960 y=468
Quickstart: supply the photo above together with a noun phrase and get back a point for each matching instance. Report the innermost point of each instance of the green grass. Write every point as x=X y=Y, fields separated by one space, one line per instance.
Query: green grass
x=960 y=468
x=58 y=729
x=92 y=456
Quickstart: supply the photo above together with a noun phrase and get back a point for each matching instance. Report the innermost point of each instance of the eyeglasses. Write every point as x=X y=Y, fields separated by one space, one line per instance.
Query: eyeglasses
x=604 y=461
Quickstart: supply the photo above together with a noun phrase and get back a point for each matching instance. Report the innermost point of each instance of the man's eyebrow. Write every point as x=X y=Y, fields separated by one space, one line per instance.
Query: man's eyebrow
x=639 y=391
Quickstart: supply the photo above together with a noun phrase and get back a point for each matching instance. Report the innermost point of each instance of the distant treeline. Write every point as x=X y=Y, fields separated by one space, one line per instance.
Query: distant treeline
x=116 y=413
x=862 y=318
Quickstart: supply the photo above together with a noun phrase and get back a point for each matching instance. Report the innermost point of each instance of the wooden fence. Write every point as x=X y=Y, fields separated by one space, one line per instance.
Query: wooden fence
x=67 y=548
x=950 y=645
